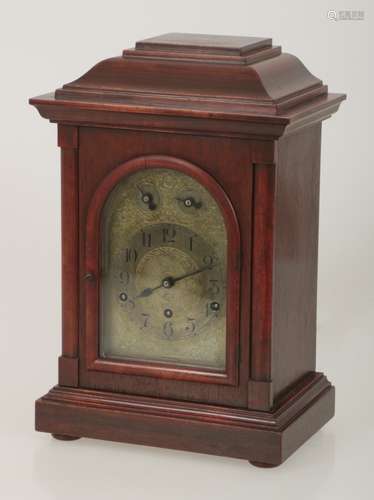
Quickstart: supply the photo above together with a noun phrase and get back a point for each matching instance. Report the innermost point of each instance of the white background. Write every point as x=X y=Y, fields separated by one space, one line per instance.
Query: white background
x=45 y=44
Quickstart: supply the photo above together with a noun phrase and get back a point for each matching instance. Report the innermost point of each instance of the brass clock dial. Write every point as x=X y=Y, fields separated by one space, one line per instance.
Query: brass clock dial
x=163 y=272
x=170 y=282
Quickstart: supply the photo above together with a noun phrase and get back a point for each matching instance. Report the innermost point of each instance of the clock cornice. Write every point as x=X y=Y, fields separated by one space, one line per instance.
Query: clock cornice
x=238 y=79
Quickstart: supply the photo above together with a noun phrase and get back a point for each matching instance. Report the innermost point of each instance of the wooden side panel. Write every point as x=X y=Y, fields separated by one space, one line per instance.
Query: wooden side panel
x=68 y=362
x=262 y=271
x=260 y=389
x=295 y=257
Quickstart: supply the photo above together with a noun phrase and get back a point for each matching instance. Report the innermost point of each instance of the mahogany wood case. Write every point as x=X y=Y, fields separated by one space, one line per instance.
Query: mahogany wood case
x=245 y=121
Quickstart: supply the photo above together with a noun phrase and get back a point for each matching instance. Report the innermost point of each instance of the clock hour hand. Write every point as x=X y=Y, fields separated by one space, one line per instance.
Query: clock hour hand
x=147 y=292
x=165 y=283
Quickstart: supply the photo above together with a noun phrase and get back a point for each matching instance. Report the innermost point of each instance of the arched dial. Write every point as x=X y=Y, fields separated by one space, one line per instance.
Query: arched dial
x=163 y=272
x=170 y=282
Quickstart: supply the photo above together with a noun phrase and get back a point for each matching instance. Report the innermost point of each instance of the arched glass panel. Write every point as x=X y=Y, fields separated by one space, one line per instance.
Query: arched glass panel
x=163 y=272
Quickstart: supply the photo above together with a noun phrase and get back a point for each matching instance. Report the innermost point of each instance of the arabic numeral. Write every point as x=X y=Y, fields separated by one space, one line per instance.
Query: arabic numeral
x=131 y=255
x=210 y=260
x=213 y=289
x=190 y=243
x=146 y=239
x=169 y=234
x=168 y=330
x=128 y=304
x=191 y=326
x=124 y=277
x=145 y=320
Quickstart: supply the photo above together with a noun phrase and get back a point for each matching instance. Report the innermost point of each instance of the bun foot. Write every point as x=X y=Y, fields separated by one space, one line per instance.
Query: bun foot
x=263 y=465
x=64 y=437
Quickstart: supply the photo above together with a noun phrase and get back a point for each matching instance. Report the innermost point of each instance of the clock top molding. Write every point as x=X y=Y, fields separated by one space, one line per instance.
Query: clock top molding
x=243 y=80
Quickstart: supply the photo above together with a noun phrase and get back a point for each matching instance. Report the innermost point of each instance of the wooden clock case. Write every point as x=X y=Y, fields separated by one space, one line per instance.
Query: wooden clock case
x=245 y=119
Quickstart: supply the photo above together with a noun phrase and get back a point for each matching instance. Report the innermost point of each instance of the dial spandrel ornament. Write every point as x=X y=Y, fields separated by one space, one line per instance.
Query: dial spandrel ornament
x=163 y=277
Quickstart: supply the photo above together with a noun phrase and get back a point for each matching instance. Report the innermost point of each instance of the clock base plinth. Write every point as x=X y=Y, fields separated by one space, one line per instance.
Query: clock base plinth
x=264 y=438
x=64 y=437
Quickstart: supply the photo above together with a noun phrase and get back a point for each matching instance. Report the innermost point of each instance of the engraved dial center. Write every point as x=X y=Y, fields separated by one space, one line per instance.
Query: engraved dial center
x=174 y=274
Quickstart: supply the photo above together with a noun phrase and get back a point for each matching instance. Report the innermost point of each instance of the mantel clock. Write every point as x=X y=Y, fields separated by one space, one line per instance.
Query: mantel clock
x=190 y=186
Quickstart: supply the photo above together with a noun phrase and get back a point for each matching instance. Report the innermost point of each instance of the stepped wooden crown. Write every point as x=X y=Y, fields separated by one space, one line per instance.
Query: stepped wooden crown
x=232 y=77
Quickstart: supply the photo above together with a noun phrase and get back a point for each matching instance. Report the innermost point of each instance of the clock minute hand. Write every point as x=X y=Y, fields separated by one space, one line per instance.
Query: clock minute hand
x=169 y=282
x=192 y=273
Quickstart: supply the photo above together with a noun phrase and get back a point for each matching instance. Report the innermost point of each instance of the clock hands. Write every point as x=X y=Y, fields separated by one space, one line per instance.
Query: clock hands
x=192 y=273
x=147 y=292
x=169 y=281
x=147 y=198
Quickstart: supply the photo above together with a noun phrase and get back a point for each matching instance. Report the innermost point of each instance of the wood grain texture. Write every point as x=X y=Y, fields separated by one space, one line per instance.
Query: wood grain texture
x=101 y=151
x=194 y=75
x=204 y=48
x=68 y=363
x=268 y=86
x=262 y=271
x=265 y=437
x=295 y=256
x=260 y=393
x=68 y=371
x=269 y=83
x=197 y=42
